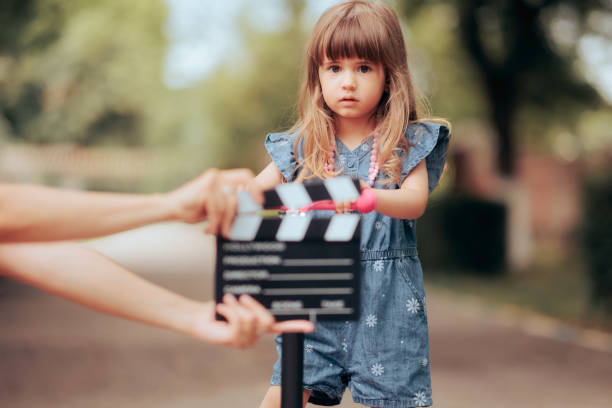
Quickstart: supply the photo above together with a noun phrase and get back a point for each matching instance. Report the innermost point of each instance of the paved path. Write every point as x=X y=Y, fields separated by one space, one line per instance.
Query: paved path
x=55 y=354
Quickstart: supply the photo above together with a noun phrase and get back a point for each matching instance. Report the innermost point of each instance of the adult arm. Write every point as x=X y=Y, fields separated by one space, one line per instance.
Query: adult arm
x=90 y=279
x=37 y=213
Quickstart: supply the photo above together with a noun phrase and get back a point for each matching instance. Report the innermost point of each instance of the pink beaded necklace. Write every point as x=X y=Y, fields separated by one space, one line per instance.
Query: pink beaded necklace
x=374 y=167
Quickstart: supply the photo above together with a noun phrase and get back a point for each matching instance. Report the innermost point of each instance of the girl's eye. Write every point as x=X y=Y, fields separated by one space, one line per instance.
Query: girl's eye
x=334 y=68
x=364 y=69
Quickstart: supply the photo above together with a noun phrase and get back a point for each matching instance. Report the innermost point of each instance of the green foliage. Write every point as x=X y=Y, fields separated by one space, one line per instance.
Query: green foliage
x=440 y=66
x=524 y=62
x=463 y=233
x=19 y=35
x=82 y=72
x=254 y=93
x=91 y=73
x=597 y=239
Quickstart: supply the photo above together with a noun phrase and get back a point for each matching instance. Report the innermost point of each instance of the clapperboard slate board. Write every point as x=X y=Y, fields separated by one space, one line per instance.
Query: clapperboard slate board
x=298 y=266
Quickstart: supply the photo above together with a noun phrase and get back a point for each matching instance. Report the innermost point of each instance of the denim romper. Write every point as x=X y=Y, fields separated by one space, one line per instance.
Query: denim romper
x=384 y=357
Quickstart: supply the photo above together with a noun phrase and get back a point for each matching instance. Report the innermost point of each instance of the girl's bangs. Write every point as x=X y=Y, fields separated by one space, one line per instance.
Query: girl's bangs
x=352 y=37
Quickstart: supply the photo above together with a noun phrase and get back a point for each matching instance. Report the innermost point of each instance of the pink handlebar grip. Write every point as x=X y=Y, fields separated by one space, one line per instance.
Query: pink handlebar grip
x=364 y=204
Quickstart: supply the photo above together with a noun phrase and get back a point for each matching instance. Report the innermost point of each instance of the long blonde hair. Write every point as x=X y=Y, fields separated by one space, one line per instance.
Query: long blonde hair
x=369 y=31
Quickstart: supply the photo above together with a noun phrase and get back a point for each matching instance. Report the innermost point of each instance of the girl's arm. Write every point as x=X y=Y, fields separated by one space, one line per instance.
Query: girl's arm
x=269 y=177
x=410 y=200
x=92 y=280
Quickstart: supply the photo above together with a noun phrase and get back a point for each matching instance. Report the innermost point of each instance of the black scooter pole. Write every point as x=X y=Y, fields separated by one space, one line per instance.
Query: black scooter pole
x=292 y=369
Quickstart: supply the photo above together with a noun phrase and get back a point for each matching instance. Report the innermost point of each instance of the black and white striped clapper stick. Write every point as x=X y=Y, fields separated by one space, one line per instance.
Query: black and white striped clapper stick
x=299 y=265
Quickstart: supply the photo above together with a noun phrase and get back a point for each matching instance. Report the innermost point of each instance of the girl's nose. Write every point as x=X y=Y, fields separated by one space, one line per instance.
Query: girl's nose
x=348 y=80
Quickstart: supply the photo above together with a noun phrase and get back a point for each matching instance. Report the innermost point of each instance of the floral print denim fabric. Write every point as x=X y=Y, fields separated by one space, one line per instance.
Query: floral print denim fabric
x=384 y=357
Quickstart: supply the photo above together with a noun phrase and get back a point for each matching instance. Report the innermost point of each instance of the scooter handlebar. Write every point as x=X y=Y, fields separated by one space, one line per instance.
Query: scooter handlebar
x=365 y=203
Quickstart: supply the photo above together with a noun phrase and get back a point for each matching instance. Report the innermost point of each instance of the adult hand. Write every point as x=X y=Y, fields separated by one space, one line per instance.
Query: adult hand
x=212 y=196
x=246 y=318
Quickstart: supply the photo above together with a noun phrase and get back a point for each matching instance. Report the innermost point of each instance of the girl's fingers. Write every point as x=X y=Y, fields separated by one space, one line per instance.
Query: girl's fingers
x=341 y=207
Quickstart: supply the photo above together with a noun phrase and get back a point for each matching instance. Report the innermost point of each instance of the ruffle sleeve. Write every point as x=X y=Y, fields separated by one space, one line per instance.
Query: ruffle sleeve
x=280 y=147
x=427 y=141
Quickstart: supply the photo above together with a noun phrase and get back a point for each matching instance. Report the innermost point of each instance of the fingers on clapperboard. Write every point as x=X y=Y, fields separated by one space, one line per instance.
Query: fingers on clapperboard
x=250 y=223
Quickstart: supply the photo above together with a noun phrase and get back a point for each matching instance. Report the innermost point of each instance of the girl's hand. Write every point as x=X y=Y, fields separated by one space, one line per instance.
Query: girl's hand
x=343 y=206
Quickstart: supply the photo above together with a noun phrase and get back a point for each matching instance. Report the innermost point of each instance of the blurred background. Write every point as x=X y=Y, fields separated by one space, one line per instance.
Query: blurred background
x=141 y=96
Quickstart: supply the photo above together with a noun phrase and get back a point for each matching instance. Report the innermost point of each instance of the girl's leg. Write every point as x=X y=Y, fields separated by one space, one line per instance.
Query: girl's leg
x=273 y=397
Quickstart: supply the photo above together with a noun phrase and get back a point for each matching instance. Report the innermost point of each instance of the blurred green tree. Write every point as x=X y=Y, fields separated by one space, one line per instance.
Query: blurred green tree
x=81 y=72
x=526 y=52
x=255 y=92
x=16 y=37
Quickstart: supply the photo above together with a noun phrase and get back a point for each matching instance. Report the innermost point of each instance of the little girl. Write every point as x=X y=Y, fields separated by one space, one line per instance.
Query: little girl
x=358 y=117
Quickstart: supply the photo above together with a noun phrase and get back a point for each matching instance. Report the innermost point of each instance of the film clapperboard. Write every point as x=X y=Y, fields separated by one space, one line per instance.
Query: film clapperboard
x=297 y=265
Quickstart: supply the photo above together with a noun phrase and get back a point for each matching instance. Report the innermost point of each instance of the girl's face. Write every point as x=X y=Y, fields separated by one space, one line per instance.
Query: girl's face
x=352 y=87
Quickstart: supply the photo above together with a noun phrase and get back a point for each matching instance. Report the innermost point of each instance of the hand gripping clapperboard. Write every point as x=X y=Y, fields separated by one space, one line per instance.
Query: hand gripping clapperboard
x=298 y=266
